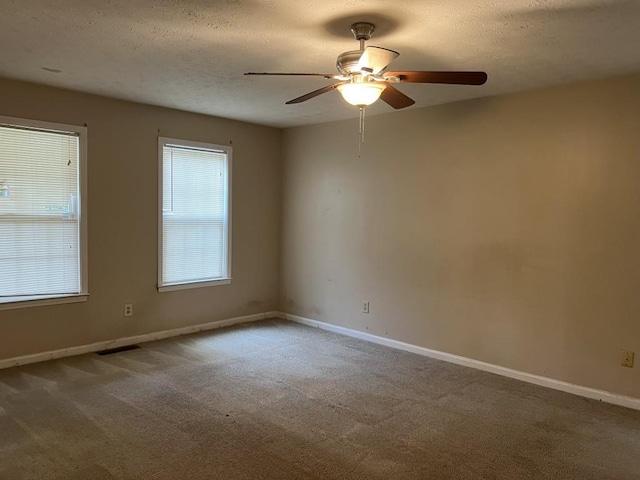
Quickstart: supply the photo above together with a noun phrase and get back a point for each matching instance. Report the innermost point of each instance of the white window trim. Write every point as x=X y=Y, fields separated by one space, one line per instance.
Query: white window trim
x=189 y=285
x=162 y=141
x=10 y=303
x=7 y=303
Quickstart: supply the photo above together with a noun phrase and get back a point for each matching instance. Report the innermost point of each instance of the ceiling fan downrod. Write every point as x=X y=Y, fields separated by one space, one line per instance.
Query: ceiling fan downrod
x=362 y=31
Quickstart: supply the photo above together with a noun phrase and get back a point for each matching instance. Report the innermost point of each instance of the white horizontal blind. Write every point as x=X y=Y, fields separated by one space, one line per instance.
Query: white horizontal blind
x=39 y=212
x=195 y=218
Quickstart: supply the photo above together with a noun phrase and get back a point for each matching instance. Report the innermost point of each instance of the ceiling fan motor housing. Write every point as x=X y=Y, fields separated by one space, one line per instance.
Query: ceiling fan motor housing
x=348 y=61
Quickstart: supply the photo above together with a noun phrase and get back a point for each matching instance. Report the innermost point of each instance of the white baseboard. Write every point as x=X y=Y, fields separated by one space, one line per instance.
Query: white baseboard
x=604 y=396
x=122 y=342
x=613 y=398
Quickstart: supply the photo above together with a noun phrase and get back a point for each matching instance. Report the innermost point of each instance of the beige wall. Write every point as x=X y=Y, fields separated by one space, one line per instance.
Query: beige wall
x=122 y=208
x=502 y=229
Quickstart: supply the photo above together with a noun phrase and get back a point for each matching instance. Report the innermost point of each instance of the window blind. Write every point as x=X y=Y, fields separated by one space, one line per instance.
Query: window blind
x=39 y=212
x=195 y=218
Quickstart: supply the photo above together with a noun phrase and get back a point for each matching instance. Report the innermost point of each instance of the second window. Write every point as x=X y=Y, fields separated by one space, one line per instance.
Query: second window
x=195 y=214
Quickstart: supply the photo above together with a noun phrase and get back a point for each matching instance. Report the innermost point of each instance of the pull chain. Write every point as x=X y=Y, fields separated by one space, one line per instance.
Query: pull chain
x=361 y=130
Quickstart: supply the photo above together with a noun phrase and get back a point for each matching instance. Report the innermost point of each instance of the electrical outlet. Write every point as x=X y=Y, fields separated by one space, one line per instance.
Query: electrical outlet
x=627 y=359
x=128 y=310
x=365 y=307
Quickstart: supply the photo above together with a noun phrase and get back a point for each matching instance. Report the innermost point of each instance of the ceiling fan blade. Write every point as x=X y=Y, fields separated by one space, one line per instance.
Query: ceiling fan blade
x=376 y=59
x=396 y=98
x=325 y=75
x=315 y=93
x=455 y=78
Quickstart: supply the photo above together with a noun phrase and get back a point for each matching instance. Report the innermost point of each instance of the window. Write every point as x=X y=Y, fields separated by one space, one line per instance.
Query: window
x=195 y=219
x=42 y=223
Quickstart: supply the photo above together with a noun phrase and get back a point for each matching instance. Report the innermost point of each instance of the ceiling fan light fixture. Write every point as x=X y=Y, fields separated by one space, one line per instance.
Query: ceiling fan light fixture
x=361 y=94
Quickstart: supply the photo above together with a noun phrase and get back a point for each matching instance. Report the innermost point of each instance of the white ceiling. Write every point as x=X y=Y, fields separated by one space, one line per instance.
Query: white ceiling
x=191 y=54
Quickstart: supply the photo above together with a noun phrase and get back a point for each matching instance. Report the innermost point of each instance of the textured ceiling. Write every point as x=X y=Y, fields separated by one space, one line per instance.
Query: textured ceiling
x=191 y=54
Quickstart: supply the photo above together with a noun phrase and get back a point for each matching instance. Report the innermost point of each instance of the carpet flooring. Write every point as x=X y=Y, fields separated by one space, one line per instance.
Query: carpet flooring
x=277 y=400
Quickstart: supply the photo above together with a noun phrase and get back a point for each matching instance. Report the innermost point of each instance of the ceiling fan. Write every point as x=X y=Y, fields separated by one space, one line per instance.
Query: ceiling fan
x=363 y=79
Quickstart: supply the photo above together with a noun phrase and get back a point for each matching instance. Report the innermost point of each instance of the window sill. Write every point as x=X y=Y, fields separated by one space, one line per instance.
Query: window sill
x=10 y=303
x=185 y=286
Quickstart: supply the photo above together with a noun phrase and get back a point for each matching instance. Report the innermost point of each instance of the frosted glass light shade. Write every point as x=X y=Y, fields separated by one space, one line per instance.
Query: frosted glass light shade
x=361 y=94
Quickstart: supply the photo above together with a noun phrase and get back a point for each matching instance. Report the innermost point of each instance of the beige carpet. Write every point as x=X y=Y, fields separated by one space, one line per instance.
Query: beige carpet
x=276 y=400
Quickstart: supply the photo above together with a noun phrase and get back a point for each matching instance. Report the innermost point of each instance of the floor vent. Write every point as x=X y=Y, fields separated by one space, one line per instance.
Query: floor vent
x=109 y=351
